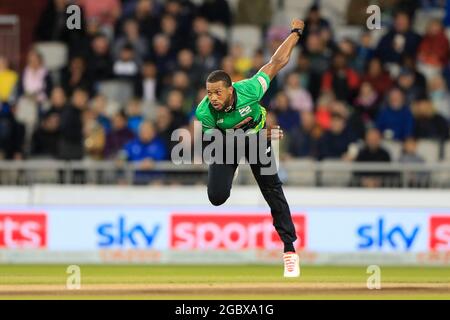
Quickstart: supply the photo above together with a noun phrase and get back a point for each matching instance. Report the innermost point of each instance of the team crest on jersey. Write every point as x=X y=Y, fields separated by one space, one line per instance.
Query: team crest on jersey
x=245 y=111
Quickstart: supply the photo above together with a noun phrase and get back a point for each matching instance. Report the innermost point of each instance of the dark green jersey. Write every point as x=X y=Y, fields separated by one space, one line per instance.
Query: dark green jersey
x=248 y=93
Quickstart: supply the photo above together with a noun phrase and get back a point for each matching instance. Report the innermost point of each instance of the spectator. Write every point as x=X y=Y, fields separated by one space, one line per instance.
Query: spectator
x=71 y=142
x=200 y=27
x=106 y=12
x=94 y=135
x=175 y=100
x=165 y=126
x=35 y=80
x=8 y=80
x=126 y=66
x=131 y=37
x=45 y=140
x=314 y=23
x=206 y=57
x=52 y=22
x=119 y=135
x=12 y=134
x=408 y=83
x=440 y=96
x=372 y=152
x=378 y=77
x=400 y=40
x=169 y=27
x=58 y=101
x=335 y=142
x=317 y=53
x=242 y=64
x=228 y=65
x=75 y=76
x=148 y=86
x=162 y=57
x=135 y=115
x=367 y=102
x=427 y=123
x=144 y=151
x=303 y=140
x=287 y=117
x=99 y=61
x=218 y=11
x=99 y=107
x=300 y=98
x=145 y=14
x=434 y=50
x=395 y=120
x=180 y=82
x=186 y=63
x=309 y=80
x=340 y=79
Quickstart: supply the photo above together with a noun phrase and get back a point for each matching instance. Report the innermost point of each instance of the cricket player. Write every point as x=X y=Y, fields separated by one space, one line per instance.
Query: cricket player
x=236 y=106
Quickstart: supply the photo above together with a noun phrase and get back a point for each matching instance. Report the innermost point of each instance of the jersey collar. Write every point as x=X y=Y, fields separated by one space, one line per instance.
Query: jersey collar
x=233 y=106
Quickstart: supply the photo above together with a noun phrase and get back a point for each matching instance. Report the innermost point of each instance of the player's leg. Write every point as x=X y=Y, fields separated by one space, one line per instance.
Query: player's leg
x=220 y=180
x=271 y=188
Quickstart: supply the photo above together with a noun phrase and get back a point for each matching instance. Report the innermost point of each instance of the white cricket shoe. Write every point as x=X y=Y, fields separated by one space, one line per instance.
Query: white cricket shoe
x=291 y=265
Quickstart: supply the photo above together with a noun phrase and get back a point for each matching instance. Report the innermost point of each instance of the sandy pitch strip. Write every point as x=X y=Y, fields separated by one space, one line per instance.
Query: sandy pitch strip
x=223 y=289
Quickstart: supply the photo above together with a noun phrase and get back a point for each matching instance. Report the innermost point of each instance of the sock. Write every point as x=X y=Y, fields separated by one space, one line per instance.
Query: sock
x=289 y=247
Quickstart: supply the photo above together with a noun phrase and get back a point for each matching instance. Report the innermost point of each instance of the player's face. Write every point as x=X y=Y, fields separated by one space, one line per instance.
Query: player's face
x=219 y=95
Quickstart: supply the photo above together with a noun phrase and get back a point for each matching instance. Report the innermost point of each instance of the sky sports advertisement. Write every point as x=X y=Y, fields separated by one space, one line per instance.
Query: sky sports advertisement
x=155 y=228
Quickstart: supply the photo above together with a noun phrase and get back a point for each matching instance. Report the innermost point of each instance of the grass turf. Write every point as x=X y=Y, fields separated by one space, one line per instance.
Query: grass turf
x=22 y=275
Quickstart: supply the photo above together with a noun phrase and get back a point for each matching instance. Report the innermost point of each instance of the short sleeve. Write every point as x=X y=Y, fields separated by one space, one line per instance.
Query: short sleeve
x=204 y=115
x=256 y=86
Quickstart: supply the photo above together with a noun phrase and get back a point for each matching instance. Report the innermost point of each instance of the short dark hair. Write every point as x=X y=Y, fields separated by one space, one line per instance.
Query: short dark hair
x=219 y=75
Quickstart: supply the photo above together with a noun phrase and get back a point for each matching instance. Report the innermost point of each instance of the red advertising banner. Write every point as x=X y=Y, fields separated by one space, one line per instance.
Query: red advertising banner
x=24 y=230
x=439 y=233
x=230 y=231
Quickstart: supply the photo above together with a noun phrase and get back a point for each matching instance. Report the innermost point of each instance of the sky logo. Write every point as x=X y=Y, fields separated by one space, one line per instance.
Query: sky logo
x=380 y=236
x=122 y=234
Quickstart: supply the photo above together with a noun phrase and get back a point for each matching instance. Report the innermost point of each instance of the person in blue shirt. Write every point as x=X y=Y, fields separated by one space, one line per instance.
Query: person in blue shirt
x=396 y=121
x=145 y=150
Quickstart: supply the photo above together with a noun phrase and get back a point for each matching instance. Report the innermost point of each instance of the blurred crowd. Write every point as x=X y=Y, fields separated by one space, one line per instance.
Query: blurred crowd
x=336 y=99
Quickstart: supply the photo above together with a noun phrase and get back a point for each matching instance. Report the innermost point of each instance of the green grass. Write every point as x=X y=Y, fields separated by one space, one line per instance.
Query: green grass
x=169 y=274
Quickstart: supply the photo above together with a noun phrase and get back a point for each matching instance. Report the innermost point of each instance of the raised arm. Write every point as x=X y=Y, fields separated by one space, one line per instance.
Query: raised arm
x=283 y=53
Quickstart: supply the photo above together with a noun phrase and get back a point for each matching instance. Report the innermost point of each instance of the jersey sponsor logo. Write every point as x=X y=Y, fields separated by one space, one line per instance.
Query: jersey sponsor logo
x=27 y=230
x=439 y=233
x=245 y=111
x=263 y=83
x=220 y=121
x=232 y=232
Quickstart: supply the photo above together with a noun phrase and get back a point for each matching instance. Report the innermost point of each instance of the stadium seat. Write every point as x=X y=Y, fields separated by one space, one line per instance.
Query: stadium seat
x=219 y=31
x=303 y=174
x=335 y=173
x=53 y=53
x=429 y=150
x=247 y=35
x=116 y=90
x=447 y=152
x=394 y=148
x=423 y=17
x=351 y=32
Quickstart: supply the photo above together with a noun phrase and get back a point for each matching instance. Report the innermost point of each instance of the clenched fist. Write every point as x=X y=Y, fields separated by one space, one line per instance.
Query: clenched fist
x=297 y=24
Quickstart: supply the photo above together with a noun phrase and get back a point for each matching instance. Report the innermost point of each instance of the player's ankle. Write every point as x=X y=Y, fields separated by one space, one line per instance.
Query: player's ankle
x=289 y=248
